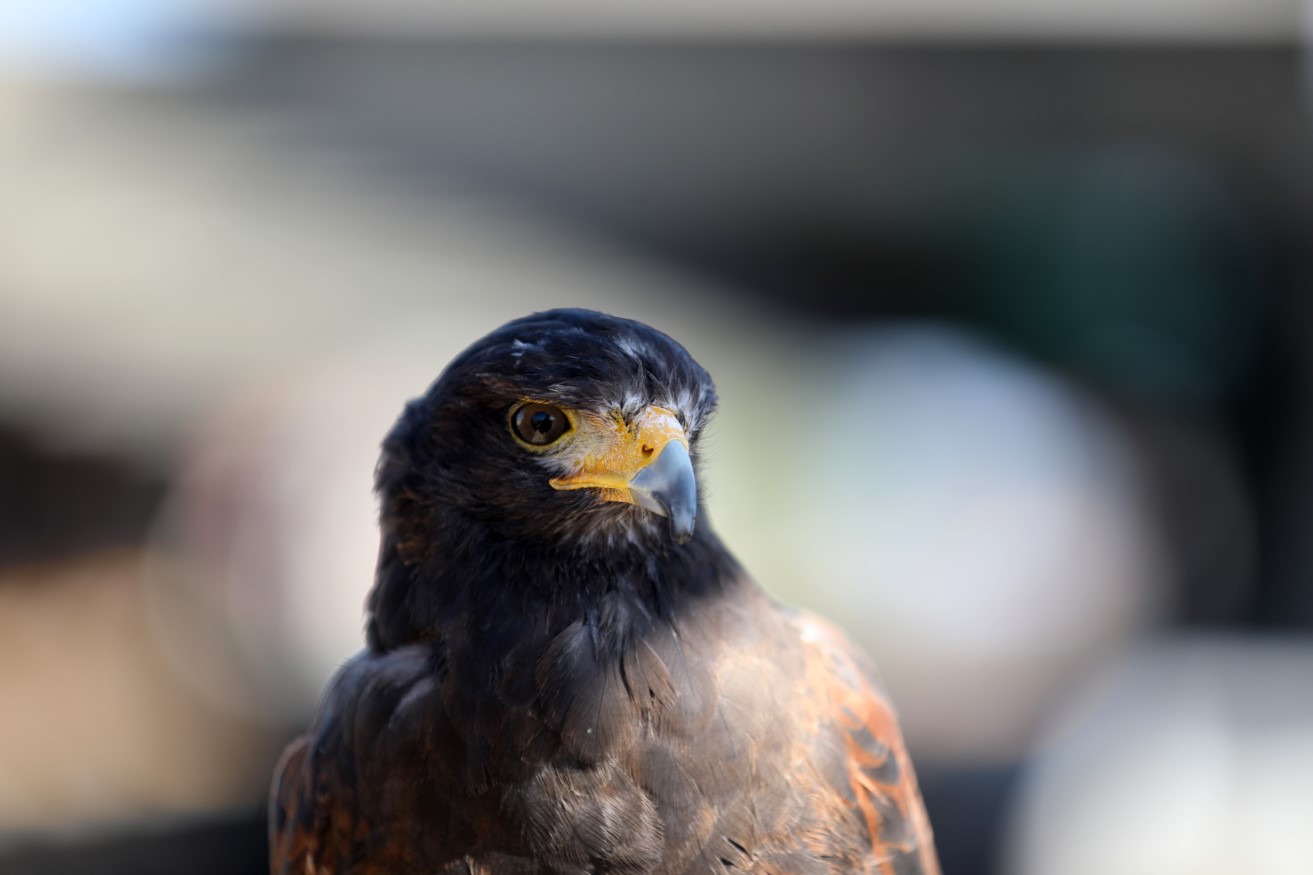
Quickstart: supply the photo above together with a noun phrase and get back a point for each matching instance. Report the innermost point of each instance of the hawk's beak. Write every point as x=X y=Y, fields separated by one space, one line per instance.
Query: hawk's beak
x=645 y=462
x=669 y=487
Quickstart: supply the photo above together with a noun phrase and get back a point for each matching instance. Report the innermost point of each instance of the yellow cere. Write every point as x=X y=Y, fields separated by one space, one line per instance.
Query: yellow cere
x=609 y=452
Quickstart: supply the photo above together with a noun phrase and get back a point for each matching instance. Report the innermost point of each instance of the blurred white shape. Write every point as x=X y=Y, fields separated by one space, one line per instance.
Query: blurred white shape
x=129 y=39
x=981 y=526
x=1192 y=756
x=272 y=527
x=210 y=253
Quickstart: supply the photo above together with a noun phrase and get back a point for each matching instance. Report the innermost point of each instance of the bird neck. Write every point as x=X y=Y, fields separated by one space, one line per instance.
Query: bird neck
x=502 y=590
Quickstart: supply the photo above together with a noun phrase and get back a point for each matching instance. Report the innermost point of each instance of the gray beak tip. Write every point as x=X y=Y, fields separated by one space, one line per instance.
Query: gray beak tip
x=681 y=529
x=669 y=487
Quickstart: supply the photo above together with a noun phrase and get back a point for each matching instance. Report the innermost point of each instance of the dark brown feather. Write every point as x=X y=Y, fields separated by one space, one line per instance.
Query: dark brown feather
x=783 y=756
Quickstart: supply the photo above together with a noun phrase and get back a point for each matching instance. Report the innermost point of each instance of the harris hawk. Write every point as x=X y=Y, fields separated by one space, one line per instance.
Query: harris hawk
x=566 y=671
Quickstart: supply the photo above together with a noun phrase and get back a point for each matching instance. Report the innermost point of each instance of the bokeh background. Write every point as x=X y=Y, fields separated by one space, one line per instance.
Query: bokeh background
x=1009 y=306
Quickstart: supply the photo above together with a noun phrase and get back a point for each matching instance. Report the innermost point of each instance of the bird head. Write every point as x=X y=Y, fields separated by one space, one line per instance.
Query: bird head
x=566 y=427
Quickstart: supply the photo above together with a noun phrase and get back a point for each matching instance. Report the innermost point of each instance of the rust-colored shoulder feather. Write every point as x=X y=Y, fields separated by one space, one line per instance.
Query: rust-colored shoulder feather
x=292 y=832
x=879 y=780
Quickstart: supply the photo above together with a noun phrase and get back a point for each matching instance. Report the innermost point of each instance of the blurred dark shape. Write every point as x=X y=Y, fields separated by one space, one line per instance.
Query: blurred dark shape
x=820 y=174
x=1134 y=267
x=969 y=806
x=57 y=504
x=228 y=843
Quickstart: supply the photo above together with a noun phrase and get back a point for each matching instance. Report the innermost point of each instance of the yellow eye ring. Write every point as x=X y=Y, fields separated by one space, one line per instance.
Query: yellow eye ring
x=539 y=425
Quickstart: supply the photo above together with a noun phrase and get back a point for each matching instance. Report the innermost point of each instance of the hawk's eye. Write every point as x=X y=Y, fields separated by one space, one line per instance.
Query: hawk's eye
x=539 y=424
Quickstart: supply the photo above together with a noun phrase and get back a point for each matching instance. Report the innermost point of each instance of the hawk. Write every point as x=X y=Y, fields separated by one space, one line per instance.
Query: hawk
x=566 y=671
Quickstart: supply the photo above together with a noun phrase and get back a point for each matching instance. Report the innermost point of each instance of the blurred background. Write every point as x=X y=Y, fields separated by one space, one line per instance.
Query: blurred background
x=1026 y=283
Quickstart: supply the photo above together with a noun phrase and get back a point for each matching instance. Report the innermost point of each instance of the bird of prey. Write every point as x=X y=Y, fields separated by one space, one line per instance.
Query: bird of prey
x=566 y=671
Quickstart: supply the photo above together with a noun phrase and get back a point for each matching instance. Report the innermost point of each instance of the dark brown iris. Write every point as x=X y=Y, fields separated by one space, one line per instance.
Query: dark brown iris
x=539 y=424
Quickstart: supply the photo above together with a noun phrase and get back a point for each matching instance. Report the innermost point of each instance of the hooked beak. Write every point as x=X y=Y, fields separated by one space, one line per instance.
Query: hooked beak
x=645 y=463
x=668 y=487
